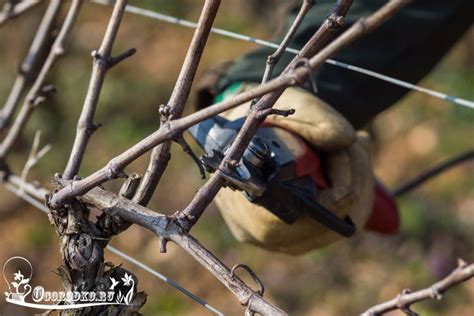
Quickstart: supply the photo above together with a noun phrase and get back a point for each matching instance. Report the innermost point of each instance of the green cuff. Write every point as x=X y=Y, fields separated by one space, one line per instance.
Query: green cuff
x=230 y=90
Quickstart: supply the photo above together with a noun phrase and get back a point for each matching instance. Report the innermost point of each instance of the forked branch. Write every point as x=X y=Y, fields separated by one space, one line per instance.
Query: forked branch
x=161 y=154
x=189 y=216
x=168 y=131
x=164 y=226
x=102 y=62
x=462 y=273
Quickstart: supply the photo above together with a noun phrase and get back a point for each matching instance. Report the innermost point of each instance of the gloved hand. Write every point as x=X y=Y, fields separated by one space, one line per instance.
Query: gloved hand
x=347 y=165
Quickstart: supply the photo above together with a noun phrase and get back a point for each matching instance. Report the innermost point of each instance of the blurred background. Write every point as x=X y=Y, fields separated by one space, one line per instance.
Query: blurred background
x=344 y=279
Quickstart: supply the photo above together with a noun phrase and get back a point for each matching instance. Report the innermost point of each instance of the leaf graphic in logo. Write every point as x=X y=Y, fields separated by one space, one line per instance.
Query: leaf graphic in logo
x=127 y=280
x=129 y=296
x=120 y=297
x=15 y=285
x=18 y=275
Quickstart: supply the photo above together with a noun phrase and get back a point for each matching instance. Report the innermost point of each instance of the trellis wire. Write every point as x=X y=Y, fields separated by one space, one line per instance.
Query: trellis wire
x=398 y=82
x=31 y=200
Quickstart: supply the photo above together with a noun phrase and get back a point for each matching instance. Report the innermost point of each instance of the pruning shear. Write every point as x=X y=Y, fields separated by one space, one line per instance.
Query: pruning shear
x=274 y=172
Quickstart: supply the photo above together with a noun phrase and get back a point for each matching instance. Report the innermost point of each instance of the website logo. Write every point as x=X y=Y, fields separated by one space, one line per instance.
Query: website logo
x=18 y=271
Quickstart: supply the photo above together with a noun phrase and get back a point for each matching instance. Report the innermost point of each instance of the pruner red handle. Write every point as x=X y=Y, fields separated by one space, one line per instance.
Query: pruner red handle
x=384 y=217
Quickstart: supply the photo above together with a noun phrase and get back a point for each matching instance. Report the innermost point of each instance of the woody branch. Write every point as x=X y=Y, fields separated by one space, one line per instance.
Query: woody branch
x=173 y=110
x=102 y=62
x=82 y=241
x=404 y=300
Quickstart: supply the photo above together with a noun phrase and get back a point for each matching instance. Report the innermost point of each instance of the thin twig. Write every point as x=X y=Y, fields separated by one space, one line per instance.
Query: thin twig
x=26 y=69
x=462 y=273
x=102 y=62
x=188 y=150
x=34 y=156
x=11 y=11
x=161 y=154
x=38 y=92
x=273 y=59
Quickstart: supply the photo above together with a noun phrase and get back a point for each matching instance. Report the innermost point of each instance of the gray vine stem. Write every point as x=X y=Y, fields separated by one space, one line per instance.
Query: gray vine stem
x=160 y=155
x=77 y=234
x=38 y=91
x=403 y=301
x=102 y=62
x=164 y=226
x=32 y=58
